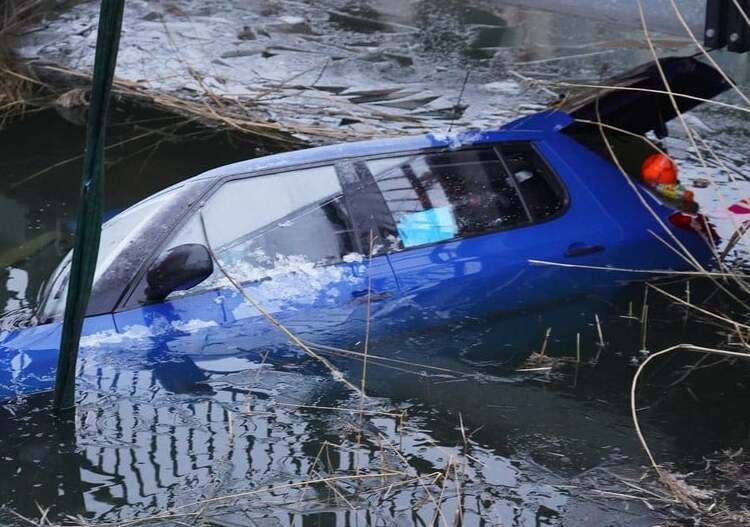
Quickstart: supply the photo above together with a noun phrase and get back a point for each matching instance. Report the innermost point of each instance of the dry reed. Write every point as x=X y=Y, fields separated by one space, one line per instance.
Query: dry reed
x=18 y=88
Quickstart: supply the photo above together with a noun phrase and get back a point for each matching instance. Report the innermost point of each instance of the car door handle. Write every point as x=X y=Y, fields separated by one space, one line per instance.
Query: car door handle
x=582 y=249
x=374 y=296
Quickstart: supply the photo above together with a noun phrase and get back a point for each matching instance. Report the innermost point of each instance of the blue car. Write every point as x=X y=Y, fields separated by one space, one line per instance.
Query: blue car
x=394 y=234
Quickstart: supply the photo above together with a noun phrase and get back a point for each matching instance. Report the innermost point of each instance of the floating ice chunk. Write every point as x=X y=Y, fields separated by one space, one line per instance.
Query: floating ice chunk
x=509 y=87
x=193 y=325
x=456 y=140
x=695 y=122
x=292 y=20
x=111 y=336
x=18 y=363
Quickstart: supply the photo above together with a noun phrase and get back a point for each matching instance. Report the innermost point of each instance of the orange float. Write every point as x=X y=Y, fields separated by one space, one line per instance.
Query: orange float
x=658 y=169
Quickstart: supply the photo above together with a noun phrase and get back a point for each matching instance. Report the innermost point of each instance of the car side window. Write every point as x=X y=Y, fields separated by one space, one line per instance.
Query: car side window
x=265 y=226
x=542 y=193
x=439 y=196
x=267 y=220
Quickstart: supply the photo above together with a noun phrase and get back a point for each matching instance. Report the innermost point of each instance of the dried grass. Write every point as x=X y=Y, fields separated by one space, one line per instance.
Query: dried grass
x=682 y=491
x=675 y=483
x=18 y=88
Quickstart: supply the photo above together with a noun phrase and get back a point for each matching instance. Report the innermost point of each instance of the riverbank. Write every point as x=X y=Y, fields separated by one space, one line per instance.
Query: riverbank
x=17 y=87
x=330 y=71
x=320 y=72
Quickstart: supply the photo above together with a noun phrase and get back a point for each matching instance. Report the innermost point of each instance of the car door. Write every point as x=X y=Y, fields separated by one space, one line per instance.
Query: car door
x=289 y=240
x=467 y=223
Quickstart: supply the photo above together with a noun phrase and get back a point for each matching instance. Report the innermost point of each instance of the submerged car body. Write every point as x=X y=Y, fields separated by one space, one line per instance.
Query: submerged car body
x=399 y=232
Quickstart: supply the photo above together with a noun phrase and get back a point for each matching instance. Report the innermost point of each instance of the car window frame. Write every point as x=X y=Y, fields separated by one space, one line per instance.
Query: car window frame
x=125 y=302
x=495 y=147
x=120 y=271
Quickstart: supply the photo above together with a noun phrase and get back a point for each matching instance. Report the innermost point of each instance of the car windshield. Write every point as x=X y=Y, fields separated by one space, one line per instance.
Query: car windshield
x=117 y=233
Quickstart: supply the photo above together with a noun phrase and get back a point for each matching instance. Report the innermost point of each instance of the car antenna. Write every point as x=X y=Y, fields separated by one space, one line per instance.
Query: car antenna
x=457 y=106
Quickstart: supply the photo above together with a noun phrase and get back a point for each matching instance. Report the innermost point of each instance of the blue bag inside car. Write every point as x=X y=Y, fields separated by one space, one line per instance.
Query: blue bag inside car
x=427 y=226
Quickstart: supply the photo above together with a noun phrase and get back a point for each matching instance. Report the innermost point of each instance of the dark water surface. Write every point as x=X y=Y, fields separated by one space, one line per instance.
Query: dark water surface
x=447 y=435
x=152 y=434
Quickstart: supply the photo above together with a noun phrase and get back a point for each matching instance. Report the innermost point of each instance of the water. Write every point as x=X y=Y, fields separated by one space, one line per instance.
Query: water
x=447 y=432
x=155 y=434
x=147 y=152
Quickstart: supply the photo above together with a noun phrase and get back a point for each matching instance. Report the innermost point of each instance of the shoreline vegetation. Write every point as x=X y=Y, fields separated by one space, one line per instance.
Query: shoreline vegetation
x=19 y=90
x=294 y=75
x=28 y=84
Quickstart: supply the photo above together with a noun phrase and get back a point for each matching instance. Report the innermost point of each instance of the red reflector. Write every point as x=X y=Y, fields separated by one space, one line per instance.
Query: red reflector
x=696 y=222
x=681 y=220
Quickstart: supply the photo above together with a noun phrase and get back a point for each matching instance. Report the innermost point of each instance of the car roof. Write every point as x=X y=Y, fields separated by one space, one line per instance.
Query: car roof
x=526 y=128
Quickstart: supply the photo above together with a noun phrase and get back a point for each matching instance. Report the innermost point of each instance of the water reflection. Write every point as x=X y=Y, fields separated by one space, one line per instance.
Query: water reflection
x=162 y=426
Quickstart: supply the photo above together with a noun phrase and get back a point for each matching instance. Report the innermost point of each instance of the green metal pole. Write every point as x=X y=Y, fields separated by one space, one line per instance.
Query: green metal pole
x=89 y=227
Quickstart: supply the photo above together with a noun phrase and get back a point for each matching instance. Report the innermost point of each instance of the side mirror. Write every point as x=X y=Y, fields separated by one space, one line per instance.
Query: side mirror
x=178 y=268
